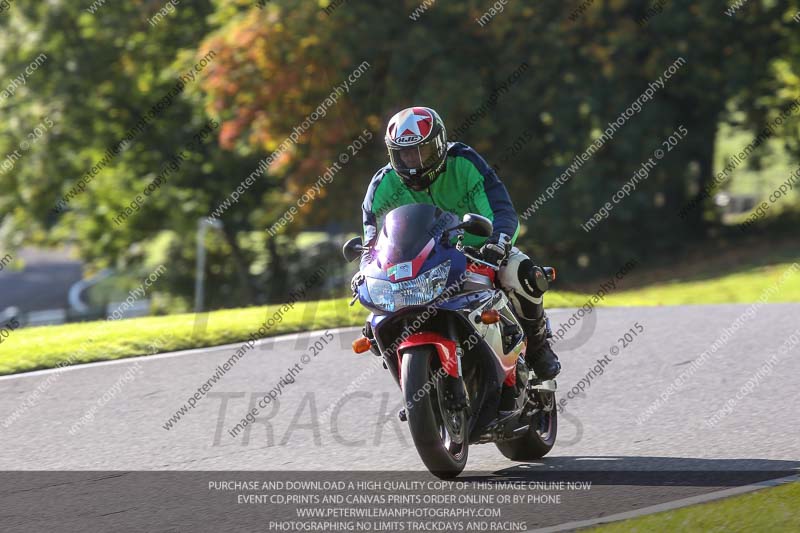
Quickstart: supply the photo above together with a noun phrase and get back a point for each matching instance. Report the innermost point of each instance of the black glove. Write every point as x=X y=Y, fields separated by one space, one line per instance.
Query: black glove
x=496 y=249
x=357 y=280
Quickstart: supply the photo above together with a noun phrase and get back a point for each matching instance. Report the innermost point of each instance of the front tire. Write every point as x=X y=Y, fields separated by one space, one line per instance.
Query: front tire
x=540 y=437
x=440 y=436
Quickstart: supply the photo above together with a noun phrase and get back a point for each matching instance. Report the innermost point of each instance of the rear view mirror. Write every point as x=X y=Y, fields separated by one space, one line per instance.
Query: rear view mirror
x=477 y=225
x=352 y=249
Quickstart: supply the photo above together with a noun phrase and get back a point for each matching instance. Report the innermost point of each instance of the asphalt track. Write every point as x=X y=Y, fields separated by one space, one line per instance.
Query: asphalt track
x=633 y=460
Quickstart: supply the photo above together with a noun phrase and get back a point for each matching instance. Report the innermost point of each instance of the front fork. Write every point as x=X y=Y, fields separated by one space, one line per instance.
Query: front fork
x=455 y=390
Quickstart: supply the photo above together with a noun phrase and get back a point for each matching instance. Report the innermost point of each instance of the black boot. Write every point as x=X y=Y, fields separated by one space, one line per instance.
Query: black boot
x=543 y=360
x=539 y=355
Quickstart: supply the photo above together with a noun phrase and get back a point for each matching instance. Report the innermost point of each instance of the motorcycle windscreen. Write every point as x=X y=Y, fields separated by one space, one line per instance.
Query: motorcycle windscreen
x=408 y=229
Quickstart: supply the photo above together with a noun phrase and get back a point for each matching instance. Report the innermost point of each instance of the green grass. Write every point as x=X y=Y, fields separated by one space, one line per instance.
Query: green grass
x=745 y=286
x=45 y=347
x=775 y=163
x=774 y=510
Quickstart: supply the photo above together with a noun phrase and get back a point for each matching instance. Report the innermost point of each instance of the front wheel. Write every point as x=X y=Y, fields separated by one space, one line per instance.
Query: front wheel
x=439 y=434
x=540 y=437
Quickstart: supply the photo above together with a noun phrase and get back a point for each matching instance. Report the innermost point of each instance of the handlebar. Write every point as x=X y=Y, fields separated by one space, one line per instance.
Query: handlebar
x=474 y=254
x=480 y=261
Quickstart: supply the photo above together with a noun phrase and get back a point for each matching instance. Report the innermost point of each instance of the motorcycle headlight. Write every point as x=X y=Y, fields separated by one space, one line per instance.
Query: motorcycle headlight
x=418 y=291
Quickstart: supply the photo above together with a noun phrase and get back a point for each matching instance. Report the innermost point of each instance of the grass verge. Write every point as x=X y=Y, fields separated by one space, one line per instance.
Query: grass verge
x=773 y=510
x=50 y=346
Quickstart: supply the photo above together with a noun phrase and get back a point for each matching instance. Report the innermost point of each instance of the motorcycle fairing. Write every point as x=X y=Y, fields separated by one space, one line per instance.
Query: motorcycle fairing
x=408 y=229
x=440 y=253
x=445 y=347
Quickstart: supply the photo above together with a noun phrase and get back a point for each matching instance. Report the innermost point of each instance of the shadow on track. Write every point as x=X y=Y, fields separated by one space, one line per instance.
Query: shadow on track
x=646 y=471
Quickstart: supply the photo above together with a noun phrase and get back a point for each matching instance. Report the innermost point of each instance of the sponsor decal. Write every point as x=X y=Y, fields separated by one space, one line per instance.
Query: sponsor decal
x=408 y=139
x=400 y=271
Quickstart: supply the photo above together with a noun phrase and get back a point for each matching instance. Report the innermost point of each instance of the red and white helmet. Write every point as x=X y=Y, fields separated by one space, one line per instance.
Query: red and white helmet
x=417 y=144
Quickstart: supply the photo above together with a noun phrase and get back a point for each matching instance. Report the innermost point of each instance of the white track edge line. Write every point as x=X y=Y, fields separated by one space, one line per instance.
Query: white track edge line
x=166 y=355
x=180 y=353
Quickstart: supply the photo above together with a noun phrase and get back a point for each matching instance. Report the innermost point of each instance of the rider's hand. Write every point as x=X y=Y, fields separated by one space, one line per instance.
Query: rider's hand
x=496 y=248
x=357 y=280
x=366 y=255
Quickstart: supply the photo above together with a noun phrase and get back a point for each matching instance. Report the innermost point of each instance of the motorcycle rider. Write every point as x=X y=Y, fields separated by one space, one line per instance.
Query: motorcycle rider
x=425 y=168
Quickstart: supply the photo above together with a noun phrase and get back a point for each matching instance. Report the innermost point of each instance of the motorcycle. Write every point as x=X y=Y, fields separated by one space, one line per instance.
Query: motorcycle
x=450 y=339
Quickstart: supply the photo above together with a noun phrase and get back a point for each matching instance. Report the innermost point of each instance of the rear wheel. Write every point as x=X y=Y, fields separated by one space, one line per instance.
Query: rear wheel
x=439 y=434
x=540 y=437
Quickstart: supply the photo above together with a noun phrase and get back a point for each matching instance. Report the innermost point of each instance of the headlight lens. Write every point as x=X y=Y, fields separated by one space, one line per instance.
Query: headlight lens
x=418 y=291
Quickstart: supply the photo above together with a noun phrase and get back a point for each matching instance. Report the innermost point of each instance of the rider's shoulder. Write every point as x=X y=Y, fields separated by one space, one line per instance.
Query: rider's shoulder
x=459 y=149
x=466 y=157
x=386 y=173
x=463 y=152
x=382 y=172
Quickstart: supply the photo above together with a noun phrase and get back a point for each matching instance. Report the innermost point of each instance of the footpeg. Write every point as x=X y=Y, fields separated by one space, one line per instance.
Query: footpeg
x=401 y=414
x=548 y=385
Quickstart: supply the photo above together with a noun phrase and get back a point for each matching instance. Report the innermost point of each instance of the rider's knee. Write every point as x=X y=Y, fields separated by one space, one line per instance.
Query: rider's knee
x=522 y=281
x=520 y=274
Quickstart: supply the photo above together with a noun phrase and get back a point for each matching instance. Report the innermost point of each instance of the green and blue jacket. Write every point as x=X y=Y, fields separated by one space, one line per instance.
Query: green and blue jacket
x=466 y=185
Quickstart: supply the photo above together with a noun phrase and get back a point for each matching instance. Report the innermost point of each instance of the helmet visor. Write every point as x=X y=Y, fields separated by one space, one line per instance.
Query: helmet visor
x=416 y=159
